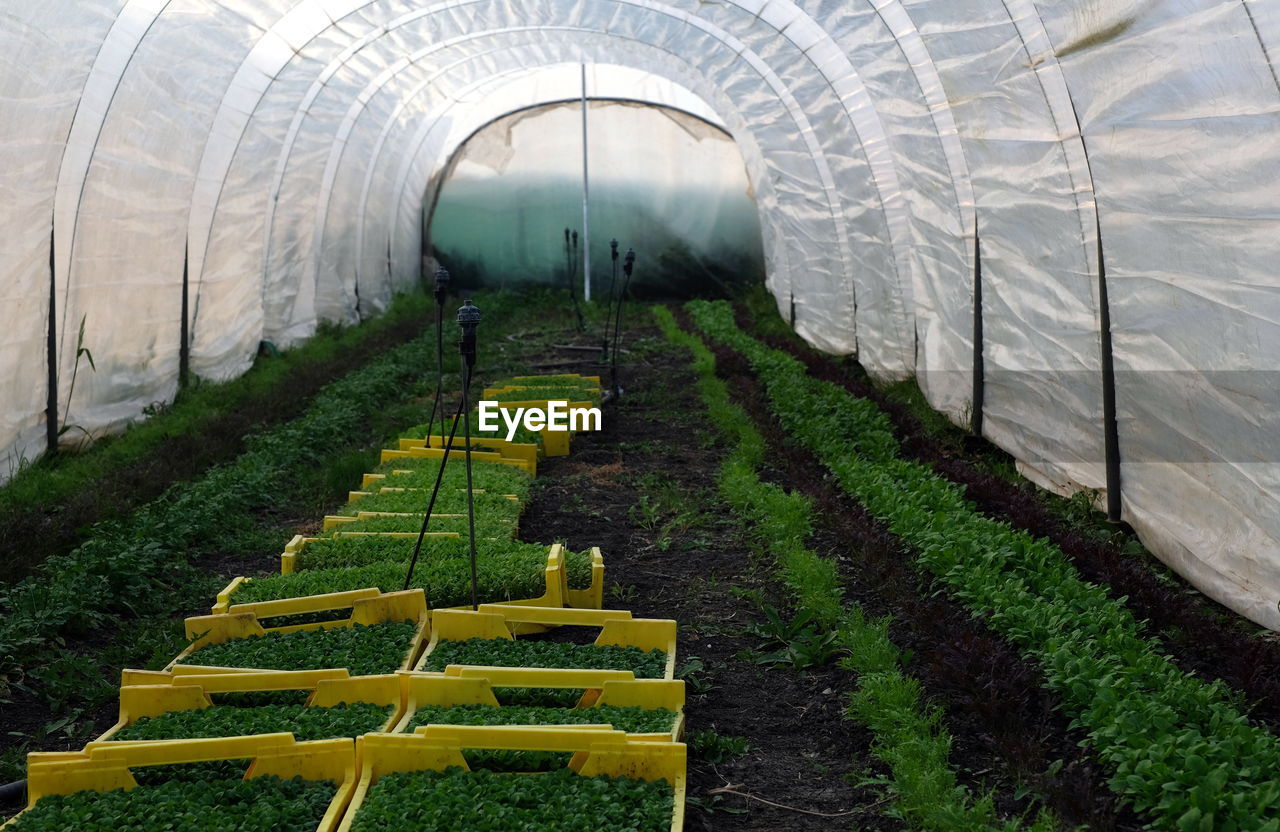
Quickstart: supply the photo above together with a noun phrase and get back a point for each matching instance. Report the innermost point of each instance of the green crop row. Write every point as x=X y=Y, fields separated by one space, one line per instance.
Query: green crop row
x=220 y=805
x=305 y=723
x=910 y=736
x=379 y=648
x=485 y=801
x=633 y=720
x=646 y=664
x=129 y=567
x=1179 y=748
x=54 y=479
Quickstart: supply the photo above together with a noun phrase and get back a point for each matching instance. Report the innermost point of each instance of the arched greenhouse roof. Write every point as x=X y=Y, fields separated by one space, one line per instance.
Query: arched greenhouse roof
x=1059 y=217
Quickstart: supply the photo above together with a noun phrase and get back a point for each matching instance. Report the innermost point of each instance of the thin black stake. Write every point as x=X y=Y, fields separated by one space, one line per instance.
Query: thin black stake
x=431 y=504
x=469 y=319
x=573 y=283
x=628 y=264
x=608 y=309
x=441 y=294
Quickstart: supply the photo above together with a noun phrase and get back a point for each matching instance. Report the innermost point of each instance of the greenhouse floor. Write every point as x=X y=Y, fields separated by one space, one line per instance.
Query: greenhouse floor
x=970 y=730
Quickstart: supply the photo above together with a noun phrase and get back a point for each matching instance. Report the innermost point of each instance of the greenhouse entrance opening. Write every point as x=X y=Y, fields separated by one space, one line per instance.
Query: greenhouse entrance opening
x=668 y=182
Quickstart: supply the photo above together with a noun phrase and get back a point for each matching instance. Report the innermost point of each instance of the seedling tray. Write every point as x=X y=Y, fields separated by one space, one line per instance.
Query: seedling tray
x=103 y=767
x=555 y=580
x=565 y=378
x=197 y=692
x=498 y=621
x=472 y=686
x=489 y=524
x=289 y=557
x=597 y=751
x=476 y=456
x=366 y=610
x=522 y=451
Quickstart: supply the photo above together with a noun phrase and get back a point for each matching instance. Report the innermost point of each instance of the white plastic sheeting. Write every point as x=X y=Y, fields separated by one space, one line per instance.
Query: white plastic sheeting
x=287 y=145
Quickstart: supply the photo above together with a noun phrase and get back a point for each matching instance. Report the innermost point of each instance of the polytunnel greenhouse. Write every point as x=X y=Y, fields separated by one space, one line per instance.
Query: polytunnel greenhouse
x=639 y=414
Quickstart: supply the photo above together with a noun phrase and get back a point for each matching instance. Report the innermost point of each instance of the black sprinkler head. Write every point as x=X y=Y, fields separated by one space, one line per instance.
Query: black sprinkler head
x=468 y=315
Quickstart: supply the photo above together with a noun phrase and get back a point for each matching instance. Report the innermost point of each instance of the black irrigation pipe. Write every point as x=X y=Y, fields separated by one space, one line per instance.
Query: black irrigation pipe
x=12 y=794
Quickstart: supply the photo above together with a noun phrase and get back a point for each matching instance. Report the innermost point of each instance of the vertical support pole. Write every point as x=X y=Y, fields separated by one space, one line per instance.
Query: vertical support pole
x=51 y=402
x=1110 y=427
x=979 y=364
x=184 y=348
x=586 y=219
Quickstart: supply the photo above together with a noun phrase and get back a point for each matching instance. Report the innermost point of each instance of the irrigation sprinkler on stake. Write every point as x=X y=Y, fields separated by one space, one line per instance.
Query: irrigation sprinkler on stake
x=468 y=319
x=628 y=264
x=571 y=272
x=608 y=309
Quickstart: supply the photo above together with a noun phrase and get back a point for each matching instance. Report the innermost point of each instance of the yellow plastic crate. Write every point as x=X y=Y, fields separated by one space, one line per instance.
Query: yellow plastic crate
x=512 y=386
x=106 y=766
x=557 y=593
x=597 y=750
x=554 y=442
x=367 y=610
x=289 y=557
x=368 y=481
x=337 y=521
x=389 y=454
x=617 y=627
x=376 y=479
x=551 y=376
x=474 y=686
x=511 y=450
x=193 y=692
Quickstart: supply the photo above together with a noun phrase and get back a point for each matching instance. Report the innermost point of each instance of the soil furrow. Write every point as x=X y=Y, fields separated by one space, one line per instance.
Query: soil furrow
x=1007 y=728
x=1201 y=636
x=802 y=748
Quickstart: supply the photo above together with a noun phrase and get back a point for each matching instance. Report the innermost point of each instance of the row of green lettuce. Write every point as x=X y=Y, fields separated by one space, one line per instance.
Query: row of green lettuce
x=142 y=564
x=1180 y=749
x=910 y=736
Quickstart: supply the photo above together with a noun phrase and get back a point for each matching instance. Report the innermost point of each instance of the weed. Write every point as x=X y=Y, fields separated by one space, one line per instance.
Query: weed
x=796 y=643
x=693 y=672
x=717 y=748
